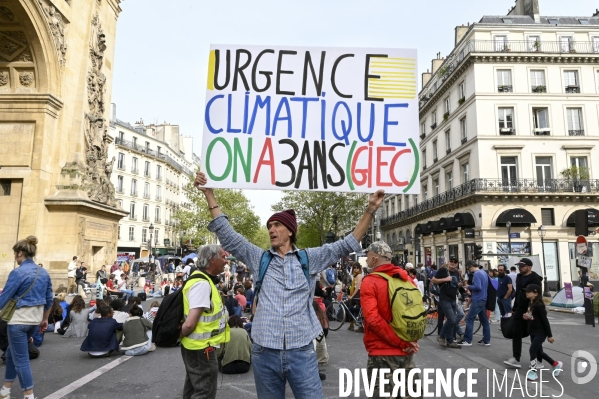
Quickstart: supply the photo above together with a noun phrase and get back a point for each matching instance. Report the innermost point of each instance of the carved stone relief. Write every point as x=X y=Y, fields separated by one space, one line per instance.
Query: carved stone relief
x=98 y=169
x=3 y=78
x=27 y=79
x=6 y=14
x=14 y=47
x=57 y=27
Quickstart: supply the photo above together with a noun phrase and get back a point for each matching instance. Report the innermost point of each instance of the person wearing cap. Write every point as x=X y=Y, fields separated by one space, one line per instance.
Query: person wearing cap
x=539 y=330
x=285 y=324
x=478 y=307
x=523 y=280
x=385 y=349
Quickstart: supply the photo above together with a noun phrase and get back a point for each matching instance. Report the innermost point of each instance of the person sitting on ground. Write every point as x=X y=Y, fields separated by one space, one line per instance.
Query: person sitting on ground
x=137 y=340
x=63 y=303
x=101 y=340
x=122 y=286
x=236 y=358
x=111 y=289
x=249 y=294
x=150 y=315
x=66 y=320
x=55 y=316
x=118 y=315
x=78 y=319
x=177 y=285
x=130 y=302
x=232 y=305
x=241 y=297
x=97 y=314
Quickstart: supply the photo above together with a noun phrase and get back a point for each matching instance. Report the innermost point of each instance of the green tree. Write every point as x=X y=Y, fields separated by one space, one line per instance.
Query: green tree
x=315 y=211
x=194 y=221
x=261 y=238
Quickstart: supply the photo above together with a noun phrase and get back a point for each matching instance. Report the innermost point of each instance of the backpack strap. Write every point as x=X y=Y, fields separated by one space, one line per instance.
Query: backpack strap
x=302 y=256
x=196 y=276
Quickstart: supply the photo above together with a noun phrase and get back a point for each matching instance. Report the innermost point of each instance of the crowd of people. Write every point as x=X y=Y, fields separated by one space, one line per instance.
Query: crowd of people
x=236 y=299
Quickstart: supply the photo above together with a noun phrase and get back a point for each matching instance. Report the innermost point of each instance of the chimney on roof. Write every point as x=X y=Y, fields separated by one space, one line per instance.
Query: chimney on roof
x=596 y=13
x=527 y=7
x=426 y=76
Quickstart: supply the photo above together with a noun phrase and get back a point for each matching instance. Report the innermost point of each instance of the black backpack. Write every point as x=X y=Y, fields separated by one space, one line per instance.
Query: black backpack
x=166 y=327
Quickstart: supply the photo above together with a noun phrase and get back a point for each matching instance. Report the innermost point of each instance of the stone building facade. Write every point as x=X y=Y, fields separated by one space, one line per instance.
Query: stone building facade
x=154 y=164
x=509 y=137
x=56 y=65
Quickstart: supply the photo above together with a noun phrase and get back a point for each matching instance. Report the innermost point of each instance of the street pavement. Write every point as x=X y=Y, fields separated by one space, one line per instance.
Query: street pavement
x=63 y=371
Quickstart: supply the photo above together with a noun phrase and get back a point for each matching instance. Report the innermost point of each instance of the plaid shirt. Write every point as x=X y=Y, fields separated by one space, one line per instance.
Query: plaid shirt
x=285 y=318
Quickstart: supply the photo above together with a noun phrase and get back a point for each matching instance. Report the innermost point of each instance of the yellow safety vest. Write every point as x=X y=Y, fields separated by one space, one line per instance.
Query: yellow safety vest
x=212 y=327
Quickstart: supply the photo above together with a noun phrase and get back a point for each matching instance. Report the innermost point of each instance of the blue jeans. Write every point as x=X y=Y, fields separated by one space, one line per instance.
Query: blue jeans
x=478 y=308
x=450 y=309
x=128 y=293
x=274 y=367
x=460 y=316
x=17 y=355
x=141 y=350
x=505 y=306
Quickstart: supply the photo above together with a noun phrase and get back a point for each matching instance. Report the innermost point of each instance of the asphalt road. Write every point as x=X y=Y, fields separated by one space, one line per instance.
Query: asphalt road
x=63 y=371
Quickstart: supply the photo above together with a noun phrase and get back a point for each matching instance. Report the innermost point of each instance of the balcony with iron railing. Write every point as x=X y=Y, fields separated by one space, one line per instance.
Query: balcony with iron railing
x=498 y=186
x=151 y=153
x=120 y=190
x=134 y=193
x=134 y=171
x=147 y=195
x=575 y=132
x=132 y=217
x=510 y=47
x=572 y=89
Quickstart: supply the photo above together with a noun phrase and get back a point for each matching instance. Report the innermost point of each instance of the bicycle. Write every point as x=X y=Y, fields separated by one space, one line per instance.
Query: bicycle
x=336 y=312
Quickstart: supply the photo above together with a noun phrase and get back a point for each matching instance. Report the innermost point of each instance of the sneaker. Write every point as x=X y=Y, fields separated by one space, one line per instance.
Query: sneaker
x=322 y=376
x=483 y=343
x=359 y=329
x=532 y=375
x=152 y=348
x=464 y=343
x=4 y=393
x=558 y=368
x=453 y=345
x=512 y=362
x=461 y=337
x=442 y=342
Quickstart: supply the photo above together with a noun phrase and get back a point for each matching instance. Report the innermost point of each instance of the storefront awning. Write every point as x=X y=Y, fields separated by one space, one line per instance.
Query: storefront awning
x=517 y=216
x=432 y=226
x=420 y=228
x=592 y=217
x=446 y=224
x=463 y=220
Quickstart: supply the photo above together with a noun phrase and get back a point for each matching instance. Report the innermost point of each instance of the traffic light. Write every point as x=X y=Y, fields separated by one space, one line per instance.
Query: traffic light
x=478 y=252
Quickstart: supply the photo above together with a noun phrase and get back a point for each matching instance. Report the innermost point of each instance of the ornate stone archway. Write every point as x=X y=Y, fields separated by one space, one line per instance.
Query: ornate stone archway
x=56 y=61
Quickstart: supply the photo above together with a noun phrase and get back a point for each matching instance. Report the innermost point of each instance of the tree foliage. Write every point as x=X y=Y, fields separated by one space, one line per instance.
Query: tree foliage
x=315 y=212
x=233 y=203
x=261 y=238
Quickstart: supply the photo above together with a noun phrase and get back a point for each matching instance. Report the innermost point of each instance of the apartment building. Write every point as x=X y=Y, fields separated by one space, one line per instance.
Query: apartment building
x=509 y=129
x=152 y=166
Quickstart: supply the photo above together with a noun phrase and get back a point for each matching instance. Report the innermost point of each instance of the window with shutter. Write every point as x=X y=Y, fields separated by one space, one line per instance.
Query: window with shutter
x=547 y=217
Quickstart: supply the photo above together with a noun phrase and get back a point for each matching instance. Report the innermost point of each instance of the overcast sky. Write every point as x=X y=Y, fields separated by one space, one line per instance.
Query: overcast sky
x=162 y=47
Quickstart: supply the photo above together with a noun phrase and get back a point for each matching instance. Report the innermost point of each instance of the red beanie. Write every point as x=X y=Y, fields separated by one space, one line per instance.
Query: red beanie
x=286 y=218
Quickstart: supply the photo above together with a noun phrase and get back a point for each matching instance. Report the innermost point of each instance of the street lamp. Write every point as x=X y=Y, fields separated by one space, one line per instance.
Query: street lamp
x=508 y=224
x=151 y=228
x=542 y=231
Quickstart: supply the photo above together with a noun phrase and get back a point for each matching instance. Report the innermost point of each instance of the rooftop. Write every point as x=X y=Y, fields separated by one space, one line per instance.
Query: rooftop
x=529 y=20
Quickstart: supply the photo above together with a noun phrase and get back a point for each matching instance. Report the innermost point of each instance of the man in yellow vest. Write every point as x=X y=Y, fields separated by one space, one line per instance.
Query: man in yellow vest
x=205 y=327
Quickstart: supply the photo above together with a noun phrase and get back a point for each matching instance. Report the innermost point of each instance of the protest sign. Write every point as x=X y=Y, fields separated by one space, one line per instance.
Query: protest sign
x=306 y=118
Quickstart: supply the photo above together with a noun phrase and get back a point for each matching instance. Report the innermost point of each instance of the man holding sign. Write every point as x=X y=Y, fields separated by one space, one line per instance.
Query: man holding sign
x=285 y=323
